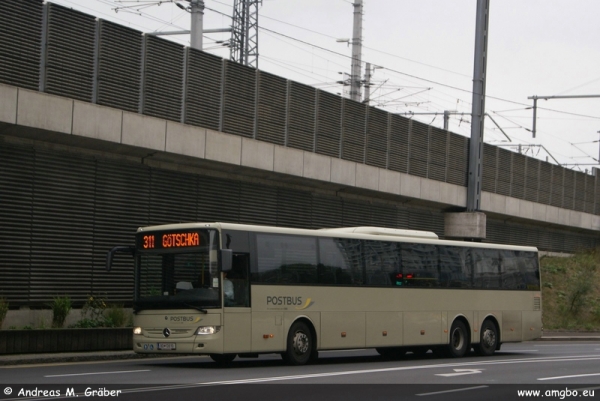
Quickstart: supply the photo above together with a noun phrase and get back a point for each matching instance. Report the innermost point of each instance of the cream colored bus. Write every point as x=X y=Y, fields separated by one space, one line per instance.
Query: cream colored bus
x=228 y=290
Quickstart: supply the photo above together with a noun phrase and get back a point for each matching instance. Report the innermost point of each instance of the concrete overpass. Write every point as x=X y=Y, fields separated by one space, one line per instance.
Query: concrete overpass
x=103 y=129
x=48 y=120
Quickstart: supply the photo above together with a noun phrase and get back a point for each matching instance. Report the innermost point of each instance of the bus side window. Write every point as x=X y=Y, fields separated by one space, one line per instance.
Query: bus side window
x=454 y=267
x=487 y=268
x=286 y=259
x=513 y=277
x=529 y=265
x=382 y=261
x=340 y=261
x=420 y=265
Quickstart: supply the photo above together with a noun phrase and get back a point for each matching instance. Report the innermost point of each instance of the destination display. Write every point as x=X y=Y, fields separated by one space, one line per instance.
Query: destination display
x=170 y=240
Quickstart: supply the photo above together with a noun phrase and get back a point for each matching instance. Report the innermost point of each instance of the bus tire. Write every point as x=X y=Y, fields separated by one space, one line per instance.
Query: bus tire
x=223 y=359
x=300 y=345
x=459 y=340
x=488 y=341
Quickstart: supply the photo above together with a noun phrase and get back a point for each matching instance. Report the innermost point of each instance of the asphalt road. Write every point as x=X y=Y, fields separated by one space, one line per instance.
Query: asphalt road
x=557 y=369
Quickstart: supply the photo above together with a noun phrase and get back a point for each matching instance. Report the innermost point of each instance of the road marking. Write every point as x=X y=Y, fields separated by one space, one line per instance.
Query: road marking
x=569 y=377
x=100 y=373
x=453 y=391
x=402 y=368
x=396 y=369
x=354 y=372
x=461 y=372
x=566 y=345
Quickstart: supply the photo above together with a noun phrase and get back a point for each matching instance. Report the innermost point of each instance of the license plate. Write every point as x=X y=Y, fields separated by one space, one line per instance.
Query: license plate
x=166 y=346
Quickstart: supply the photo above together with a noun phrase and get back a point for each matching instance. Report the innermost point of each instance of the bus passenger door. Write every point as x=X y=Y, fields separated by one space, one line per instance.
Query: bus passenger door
x=237 y=316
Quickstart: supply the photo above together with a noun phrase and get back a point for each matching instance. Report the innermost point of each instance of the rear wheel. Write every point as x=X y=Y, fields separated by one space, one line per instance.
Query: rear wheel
x=300 y=345
x=459 y=340
x=223 y=359
x=488 y=341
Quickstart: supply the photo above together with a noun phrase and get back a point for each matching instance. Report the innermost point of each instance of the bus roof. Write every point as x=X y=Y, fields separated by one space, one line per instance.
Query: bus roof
x=367 y=233
x=394 y=232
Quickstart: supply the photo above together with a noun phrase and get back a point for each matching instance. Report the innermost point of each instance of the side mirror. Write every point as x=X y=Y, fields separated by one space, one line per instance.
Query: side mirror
x=225 y=260
x=117 y=249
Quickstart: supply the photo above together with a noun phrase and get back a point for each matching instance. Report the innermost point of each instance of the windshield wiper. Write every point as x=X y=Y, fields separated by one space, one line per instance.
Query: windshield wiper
x=196 y=307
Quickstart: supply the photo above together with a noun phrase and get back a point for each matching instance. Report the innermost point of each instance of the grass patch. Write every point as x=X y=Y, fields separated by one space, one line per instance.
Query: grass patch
x=571 y=292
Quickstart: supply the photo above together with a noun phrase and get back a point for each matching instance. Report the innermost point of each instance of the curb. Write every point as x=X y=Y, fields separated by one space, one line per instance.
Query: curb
x=12 y=360
x=568 y=338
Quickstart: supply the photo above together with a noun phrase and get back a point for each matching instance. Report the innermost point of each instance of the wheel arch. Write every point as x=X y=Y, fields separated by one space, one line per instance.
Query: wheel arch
x=463 y=319
x=311 y=326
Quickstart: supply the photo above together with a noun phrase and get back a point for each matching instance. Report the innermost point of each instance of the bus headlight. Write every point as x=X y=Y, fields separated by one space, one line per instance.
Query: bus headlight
x=137 y=330
x=208 y=329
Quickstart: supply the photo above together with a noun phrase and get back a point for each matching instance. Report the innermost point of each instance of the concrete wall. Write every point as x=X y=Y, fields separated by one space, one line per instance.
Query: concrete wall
x=31 y=114
x=42 y=318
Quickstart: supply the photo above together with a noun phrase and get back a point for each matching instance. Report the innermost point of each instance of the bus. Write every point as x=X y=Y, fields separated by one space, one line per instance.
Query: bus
x=228 y=290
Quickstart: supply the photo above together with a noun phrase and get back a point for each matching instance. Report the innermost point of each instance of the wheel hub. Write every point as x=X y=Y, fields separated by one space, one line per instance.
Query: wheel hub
x=301 y=344
x=489 y=338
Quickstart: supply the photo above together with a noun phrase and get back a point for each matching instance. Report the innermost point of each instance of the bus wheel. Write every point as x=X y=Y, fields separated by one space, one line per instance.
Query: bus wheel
x=488 y=340
x=223 y=359
x=299 y=345
x=459 y=340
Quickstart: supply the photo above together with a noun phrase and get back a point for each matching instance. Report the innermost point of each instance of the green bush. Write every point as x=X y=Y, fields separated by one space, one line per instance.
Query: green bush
x=3 y=310
x=116 y=316
x=96 y=313
x=580 y=287
x=93 y=309
x=61 y=306
x=571 y=293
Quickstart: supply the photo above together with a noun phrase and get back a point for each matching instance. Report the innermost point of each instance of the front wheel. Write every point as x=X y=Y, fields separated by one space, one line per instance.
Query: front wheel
x=300 y=345
x=459 y=340
x=488 y=341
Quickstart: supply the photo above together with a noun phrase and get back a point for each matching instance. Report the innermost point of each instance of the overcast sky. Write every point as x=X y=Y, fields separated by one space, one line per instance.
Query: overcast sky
x=426 y=49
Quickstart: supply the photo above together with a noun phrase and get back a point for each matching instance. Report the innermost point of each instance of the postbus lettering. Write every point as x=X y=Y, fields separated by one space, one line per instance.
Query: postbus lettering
x=287 y=301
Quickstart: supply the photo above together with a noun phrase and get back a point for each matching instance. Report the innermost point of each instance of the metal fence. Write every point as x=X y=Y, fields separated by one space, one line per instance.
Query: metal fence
x=65 y=52
x=62 y=210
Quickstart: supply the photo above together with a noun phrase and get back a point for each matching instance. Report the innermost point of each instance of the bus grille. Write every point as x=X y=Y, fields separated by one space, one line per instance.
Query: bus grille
x=173 y=331
x=537 y=305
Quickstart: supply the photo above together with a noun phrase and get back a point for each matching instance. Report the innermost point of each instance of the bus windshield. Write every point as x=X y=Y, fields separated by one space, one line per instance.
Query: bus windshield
x=178 y=277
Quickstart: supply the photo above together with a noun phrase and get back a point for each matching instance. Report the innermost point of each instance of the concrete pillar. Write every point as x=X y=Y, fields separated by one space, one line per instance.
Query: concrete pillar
x=466 y=225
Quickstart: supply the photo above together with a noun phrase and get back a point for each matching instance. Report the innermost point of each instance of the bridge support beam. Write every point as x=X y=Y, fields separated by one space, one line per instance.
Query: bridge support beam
x=466 y=225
